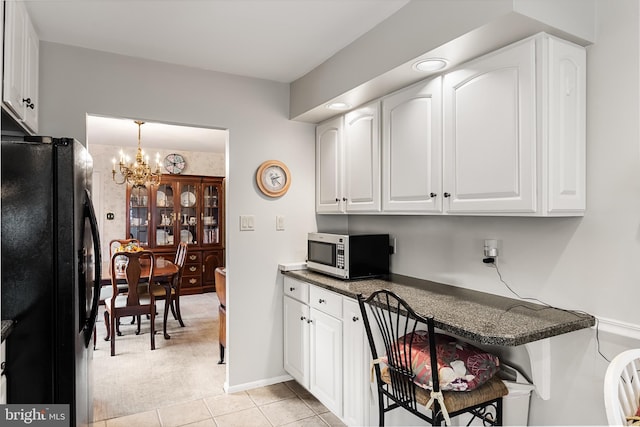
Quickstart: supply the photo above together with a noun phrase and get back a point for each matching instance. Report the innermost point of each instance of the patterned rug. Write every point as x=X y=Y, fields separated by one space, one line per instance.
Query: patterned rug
x=180 y=369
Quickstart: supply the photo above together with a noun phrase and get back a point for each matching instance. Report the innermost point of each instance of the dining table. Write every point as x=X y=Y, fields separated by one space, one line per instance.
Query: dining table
x=164 y=273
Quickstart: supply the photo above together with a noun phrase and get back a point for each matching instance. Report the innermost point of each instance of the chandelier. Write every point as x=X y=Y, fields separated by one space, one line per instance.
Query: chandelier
x=137 y=173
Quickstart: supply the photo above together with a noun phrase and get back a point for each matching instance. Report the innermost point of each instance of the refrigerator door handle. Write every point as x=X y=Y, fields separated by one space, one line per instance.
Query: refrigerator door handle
x=90 y=322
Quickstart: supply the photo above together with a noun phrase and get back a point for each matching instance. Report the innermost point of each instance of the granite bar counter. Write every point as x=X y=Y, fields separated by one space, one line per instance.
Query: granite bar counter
x=477 y=316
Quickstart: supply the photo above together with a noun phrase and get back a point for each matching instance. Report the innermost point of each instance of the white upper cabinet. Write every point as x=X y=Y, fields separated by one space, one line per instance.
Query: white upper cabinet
x=503 y=135
x=329 y=166
x=563 y=144
x=362 y=159
x=489 y=133
x=514 y=131
x=20 y=79
x=412 y=149
x=348 y=162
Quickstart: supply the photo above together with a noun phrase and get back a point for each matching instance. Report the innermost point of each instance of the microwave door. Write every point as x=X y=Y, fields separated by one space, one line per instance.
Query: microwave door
x=322 y=253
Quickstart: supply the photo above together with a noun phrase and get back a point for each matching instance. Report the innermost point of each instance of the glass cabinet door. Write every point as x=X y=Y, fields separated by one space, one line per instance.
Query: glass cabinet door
x=210 y=215
x=189 y=214
x=139 y=214
x=164 y=215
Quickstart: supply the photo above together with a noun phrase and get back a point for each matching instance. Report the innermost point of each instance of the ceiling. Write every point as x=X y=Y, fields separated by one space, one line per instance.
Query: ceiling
x=121 y=132
x=279 y=40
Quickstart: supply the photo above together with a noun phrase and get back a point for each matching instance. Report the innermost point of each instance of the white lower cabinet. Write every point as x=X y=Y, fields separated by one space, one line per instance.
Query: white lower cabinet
x=296 y=340
x=356 y=357
x=325 y=364
x=325 y=349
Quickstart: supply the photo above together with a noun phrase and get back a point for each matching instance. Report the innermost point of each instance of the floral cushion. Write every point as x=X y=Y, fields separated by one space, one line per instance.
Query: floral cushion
x=461 y=366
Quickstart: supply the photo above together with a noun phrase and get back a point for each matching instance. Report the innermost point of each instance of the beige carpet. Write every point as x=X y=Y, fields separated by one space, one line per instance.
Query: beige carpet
x=180 y=369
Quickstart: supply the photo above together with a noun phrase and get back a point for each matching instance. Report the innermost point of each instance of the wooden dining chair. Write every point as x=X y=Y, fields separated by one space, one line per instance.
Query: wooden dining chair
x=134 y=301
x=105 y=290
x=172 y=288
x=409 y=378
x=221 y=290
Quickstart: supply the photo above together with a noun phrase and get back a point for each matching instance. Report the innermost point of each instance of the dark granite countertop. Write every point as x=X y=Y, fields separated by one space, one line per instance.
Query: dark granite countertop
x=478 y=316
x=7 y=326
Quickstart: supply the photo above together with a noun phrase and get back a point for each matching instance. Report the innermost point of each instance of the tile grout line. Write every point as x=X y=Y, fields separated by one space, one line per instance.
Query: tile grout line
x=315 y=414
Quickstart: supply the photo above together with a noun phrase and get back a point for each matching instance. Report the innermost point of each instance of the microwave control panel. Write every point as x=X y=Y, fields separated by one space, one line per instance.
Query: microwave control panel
x=340 y=256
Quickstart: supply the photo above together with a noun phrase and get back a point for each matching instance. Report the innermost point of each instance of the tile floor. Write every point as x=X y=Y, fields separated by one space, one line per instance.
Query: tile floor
x=284 y=404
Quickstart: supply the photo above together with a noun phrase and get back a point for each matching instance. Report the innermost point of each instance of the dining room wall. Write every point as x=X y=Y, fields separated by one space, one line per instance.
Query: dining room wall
x=112 y=196
x=75 y=82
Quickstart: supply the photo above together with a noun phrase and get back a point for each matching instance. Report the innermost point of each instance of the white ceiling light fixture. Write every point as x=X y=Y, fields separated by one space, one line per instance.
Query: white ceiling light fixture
x=430 y=65
x=338 y=106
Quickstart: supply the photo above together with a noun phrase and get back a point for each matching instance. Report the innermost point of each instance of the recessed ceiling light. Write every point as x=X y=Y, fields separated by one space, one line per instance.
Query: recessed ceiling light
x=431 y=64
x=338 y=106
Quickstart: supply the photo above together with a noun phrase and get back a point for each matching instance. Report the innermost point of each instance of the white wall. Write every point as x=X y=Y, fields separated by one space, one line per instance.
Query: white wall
x=77 y=81
x=590 y=263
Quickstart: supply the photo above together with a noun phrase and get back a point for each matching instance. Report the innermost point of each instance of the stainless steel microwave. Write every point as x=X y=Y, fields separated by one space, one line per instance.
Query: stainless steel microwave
x=348 y=256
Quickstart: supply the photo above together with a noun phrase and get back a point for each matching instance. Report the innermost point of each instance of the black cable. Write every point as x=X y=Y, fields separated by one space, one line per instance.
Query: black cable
x=494 y=263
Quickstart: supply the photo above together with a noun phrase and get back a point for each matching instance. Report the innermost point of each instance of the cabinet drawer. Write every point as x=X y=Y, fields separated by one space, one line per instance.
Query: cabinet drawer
x=192 y=270
x=194 y=257
x=191 y=281
x=296 y=289
x=325 y=301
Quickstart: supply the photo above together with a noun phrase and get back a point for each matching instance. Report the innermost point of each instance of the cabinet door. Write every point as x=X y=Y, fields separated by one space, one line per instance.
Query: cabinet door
x=139 y=214
x=211 y=217
x=412 y=149
x=356 y=365
x=31 y=57
x=211 y=260
x=362 y=159
x=567 y=127
x=490 y=133
x=325 y=364
x=296 y=340
x=189 y=209
x=14 y=60
x=164 y=216
x=329 y=166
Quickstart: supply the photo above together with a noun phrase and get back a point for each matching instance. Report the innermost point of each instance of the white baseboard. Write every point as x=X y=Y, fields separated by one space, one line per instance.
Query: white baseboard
x=256 y=384
x=624 y=329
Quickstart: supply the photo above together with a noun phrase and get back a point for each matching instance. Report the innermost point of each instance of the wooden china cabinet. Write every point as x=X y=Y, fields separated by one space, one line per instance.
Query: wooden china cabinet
x=185 y=208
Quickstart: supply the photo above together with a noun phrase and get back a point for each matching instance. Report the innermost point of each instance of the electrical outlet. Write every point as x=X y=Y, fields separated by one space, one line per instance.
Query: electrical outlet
x=490 y=249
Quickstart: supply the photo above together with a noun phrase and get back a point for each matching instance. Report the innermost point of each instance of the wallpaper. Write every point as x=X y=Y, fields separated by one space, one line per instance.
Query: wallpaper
x=111 y=197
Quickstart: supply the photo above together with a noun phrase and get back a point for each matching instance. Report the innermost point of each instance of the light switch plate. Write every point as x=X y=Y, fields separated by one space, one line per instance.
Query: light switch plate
x=247 y=222
x=279 y=222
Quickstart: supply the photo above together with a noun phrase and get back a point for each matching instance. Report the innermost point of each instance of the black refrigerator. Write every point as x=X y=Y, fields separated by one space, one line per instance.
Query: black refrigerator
x=50 y=272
